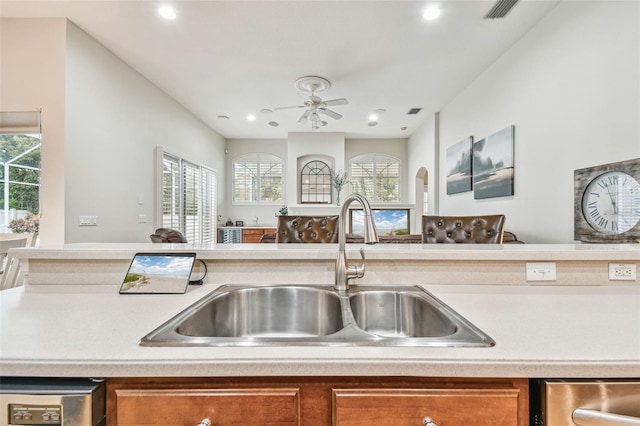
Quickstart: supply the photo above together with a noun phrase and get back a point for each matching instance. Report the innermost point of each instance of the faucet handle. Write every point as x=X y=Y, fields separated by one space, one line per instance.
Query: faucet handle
x=358 y=270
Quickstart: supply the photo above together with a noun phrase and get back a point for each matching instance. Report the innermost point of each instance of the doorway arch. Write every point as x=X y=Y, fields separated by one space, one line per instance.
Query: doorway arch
x=422 y=197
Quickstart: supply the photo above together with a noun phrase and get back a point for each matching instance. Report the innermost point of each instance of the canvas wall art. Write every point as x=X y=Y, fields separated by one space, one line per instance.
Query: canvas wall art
x=493 y=170
x=459 y=172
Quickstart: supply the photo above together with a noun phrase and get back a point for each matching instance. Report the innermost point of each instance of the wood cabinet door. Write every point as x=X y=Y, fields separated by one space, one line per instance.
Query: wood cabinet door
x=253 y=235
x=188 y=407
x=409 y=407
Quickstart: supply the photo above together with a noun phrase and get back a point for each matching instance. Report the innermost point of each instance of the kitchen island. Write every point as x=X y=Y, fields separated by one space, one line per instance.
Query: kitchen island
x=69 y=320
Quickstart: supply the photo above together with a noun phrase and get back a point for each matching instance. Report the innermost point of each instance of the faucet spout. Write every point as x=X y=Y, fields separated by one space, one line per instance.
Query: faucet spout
x=344 y=271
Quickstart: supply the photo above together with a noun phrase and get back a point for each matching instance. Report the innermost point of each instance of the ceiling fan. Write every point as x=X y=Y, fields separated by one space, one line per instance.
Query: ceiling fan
x=308 y=87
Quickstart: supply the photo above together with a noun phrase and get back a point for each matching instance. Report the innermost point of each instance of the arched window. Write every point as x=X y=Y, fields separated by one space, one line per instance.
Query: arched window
x=258 y=179
x=315 y=183
x=376 y=177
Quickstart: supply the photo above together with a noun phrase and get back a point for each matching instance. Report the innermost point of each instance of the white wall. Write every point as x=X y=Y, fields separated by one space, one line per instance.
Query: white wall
x=571 y=87
x=115 y=118
x=101 y=122
x=422 y=152
x=32 y=76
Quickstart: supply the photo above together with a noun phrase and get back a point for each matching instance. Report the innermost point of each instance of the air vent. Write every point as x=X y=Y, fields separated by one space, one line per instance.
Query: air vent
x=414 y=110
x=500 y=9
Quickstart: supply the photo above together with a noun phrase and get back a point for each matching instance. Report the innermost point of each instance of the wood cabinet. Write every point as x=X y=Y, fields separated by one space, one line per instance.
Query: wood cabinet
x=221 y=406
x=412 y=407
x=253 y=235
x=317 y=401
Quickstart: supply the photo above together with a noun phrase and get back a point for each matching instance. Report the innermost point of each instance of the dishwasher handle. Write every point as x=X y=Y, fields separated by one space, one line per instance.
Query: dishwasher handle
x=584 y=417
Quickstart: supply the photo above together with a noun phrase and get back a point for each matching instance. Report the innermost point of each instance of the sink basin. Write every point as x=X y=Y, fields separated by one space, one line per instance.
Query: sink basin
x=400 y=314
x=266 y=312
x=300 y=315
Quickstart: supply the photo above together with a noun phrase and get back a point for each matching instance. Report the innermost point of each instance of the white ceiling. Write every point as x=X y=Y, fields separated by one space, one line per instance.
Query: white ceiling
x=237 y=57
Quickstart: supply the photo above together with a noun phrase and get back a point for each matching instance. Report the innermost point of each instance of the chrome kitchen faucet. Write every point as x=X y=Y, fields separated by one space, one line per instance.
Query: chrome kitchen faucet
x=344 y=271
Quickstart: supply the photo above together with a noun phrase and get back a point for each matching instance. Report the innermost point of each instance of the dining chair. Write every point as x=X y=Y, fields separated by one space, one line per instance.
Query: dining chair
x=9 y=268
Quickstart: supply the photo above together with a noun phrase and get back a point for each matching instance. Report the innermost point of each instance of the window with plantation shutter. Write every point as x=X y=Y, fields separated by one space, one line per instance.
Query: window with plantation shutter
x=189 y=199
x=376 y=177
x=258 y=178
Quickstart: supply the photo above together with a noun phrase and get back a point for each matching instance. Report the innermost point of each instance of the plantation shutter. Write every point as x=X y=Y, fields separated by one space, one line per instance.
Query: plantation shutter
x=171 y=188
x=190 y=201
x=208 y=210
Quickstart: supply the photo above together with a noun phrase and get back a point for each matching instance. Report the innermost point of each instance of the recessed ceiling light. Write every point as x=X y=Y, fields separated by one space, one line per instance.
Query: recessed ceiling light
x=372 y=123
x=379 y=111
x=431 y=13
x=167 y=12
x=273 y=124
x=223 y=117
x=251 y=117
x=266 y=111
x=373 y=117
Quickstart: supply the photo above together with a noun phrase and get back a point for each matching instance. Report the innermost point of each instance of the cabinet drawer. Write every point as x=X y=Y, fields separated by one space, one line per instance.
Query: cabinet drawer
x=257 y=231
x=188 y=407
x=446 y=407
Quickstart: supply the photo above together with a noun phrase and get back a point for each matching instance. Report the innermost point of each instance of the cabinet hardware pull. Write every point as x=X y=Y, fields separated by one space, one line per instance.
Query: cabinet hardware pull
x=204 y=422
x=427 y=421
x=584 y=417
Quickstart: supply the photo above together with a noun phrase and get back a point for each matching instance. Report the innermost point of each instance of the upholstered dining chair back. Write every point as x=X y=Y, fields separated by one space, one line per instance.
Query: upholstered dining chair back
x=463 y=229
x=166 y=235
x=307 y=229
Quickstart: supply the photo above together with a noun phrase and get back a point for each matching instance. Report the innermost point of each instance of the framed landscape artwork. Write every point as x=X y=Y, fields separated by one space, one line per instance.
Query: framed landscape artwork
x=493 y=165
x=459 y=160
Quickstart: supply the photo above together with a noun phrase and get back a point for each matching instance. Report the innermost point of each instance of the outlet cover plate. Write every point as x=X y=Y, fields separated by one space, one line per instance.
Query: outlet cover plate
x=622 y=272
x=541 y=271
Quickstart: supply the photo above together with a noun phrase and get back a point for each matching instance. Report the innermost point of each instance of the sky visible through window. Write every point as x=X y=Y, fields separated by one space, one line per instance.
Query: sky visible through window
x=387 y=221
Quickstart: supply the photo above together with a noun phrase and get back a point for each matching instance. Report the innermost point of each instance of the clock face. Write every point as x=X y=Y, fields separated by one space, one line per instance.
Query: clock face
x=611 y=203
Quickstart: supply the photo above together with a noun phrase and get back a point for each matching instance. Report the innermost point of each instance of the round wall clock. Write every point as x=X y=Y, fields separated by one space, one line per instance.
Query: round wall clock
x=607 y=203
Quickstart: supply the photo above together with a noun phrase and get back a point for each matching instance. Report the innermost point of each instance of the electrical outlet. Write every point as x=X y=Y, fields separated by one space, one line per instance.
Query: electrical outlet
x=541 y=271
x=622 y=272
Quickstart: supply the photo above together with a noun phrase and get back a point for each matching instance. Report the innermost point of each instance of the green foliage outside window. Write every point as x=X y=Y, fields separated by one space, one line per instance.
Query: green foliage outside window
x=23 y=181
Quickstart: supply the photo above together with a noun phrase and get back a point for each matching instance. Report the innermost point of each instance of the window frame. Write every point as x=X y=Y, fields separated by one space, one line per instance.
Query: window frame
x=193 y=190
x=261 y=160
x=376 y=159
x=327 y=194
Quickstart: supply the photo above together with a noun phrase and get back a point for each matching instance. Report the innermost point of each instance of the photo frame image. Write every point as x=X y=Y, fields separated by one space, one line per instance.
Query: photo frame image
x=493 y=168
x=239 y=223
x=459 y=166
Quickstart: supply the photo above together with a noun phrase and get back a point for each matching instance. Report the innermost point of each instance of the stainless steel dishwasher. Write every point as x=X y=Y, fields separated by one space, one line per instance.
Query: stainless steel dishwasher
x=52 y=402
x=556 y=402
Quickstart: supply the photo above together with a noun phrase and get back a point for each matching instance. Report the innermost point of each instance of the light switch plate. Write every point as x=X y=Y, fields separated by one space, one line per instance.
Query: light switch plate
x=541 y=271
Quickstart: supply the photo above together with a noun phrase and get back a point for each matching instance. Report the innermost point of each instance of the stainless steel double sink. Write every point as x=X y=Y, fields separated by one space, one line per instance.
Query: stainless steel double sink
x=300 y=315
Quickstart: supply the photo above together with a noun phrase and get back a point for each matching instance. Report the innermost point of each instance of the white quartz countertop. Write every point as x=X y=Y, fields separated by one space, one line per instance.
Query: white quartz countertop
x=493 y=252
x=541 y=331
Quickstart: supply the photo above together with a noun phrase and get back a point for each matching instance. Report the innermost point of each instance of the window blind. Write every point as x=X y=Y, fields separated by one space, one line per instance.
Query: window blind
x=189 y=199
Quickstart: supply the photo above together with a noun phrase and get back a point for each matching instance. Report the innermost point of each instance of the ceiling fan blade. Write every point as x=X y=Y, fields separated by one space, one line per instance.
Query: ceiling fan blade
x=303 y=118
x=330 y=113
x=333 y=102
x=289 y=107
